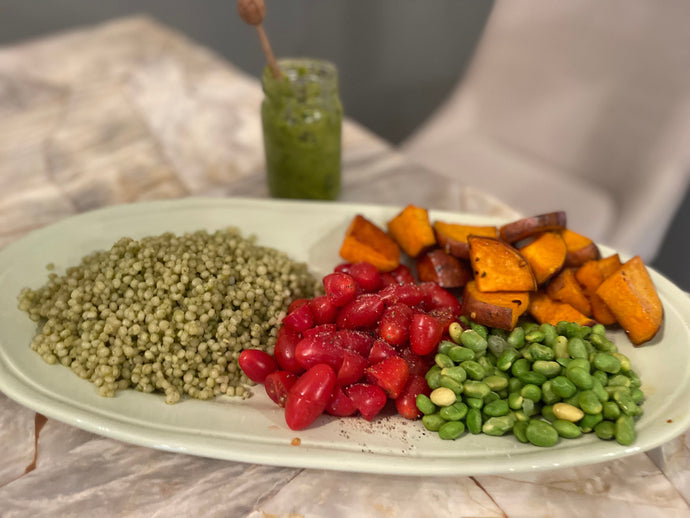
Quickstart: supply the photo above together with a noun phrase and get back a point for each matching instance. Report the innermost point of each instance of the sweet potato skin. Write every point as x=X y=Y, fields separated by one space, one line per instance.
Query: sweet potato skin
x=499 y=309
x=412 y=230
x=497 y=266
x=442 y=268
x=525 y=227
x=546 y=255
x=631 y=296
x=580 y=248
x=366 y=242
x=452 y=237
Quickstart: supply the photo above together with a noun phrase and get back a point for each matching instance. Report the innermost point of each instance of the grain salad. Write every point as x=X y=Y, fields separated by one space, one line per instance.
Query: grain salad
x=168 y=313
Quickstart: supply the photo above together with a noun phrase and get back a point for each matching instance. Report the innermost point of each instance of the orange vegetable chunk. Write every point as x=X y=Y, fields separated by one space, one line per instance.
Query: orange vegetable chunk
x=412 y=230
x=565 y=288
x=498 y=309
x=631 y=296
x=366 y=242
x=546 y=255
x=580 y=248
x=442 y=268
x=532 y=225
x=590 y=276
x=546 y=310
x=452 y=237
x=497 y=266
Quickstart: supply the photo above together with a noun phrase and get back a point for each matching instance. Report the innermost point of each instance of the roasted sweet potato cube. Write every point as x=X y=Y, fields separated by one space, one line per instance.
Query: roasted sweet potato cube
x=590 y=276
x=580 y=248
x=452 y=237
x=545 y=254
x=497 y=266
x=498 y=309
x=412 y=230
x=565 y=288
x=546 y=310
x=631 y=296
x=366 y=242
x=442 y=268
x=531 y=226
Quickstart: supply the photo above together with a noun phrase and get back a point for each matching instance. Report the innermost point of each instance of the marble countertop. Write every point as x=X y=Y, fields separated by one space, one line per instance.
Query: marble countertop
x=131 y=111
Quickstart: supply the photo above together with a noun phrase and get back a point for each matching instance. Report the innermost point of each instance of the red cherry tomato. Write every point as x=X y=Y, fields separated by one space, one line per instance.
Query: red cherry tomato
x=300 y=319
x=352 y=368
x=341 y=288
x=369 y=399
x=278 y=385
x=340 y=405
x=394 y=326
x=403 y=275
x=425 y=334
x=257 y=364
x=284 y=350
x=390 y=374
x=406 y=402
x=361 y=312
x=315 y=349
x=366 y=276
x=323 y=310
x=309 y=396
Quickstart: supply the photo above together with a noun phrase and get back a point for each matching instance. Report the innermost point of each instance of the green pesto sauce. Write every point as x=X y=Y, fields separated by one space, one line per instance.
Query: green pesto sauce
x=302 y=118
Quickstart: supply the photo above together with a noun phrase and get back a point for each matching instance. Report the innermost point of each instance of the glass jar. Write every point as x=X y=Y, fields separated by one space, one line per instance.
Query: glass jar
x=302 y=118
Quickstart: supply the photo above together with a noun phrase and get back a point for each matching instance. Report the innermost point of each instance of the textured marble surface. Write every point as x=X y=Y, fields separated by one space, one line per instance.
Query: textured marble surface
x=131 y=111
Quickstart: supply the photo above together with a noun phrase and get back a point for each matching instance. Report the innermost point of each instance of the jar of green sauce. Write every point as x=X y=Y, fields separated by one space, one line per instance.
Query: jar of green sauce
x=302 y=118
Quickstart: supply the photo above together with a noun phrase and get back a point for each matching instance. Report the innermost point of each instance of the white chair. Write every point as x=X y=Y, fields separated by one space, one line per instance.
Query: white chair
x=582 y=106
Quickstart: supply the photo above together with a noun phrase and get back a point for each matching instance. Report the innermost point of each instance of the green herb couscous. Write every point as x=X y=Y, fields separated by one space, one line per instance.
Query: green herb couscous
x=167 y=313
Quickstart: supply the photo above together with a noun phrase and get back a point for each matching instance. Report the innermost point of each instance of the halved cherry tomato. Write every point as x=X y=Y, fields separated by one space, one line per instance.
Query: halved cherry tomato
x=352 y=368
x=369 y=399
x=309 y=396
x=425 y=334
x=406 y=402
x=340 y=404
x=257 y=364
x=278 y=385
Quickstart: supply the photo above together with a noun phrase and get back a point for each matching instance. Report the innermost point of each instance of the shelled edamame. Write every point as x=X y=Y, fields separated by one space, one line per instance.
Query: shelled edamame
x=542 y=383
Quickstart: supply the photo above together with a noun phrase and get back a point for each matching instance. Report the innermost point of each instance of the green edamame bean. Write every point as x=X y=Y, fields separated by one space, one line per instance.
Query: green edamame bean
x=425 y=405
x=520 y=430
x=486 y=363
x=581 y=378
x=519 y=366
x=491 y=396
x=562 y=386
x=539 y=351
x=496 y=383
x=626 y=403
x=577 y=348
x=433 y=422
x=547 y=413
x=515 y=400
x=606 y=430
x=506 y=359
x=455 y=412
x=460 y=354
x=514 y=385
x=619 y=380
x=635 y=381
x=476 y=389
x=611 y=410
x=550 y=333
x=433 y=377
x=443 y=360
x=496 y=408
x=541 y=433
x=560 y=348
x=625 y=430
x=452 y=384
x=535 y=335
x=532 y=377
x=498 y=425
x=530 y=391
x=444 y=346
x=625 y=361
x=451 y=430
x=516 y=338
x=480 y=330
x=601 y=343
x=607 y=362
x=589 y=421
x=474 y=402
x=457 y=372
x=497 y=344
x=579 y=363
x=601 y=377
x=589 y=402
x=474 y=370
x=473 y=340
x=637 y=395
x=566 y=429
x=547 y=368
x=474 y=421
x=598 y=329
x=548 y=396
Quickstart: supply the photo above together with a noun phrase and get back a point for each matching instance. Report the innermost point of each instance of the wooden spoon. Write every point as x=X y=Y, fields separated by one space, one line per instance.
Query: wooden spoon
x=253 y=12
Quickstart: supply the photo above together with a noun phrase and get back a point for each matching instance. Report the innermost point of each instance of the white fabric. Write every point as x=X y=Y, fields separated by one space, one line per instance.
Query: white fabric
x=579 y=105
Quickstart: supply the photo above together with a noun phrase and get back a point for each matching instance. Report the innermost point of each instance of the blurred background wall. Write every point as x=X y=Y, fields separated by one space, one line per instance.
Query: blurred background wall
x=397 y=59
